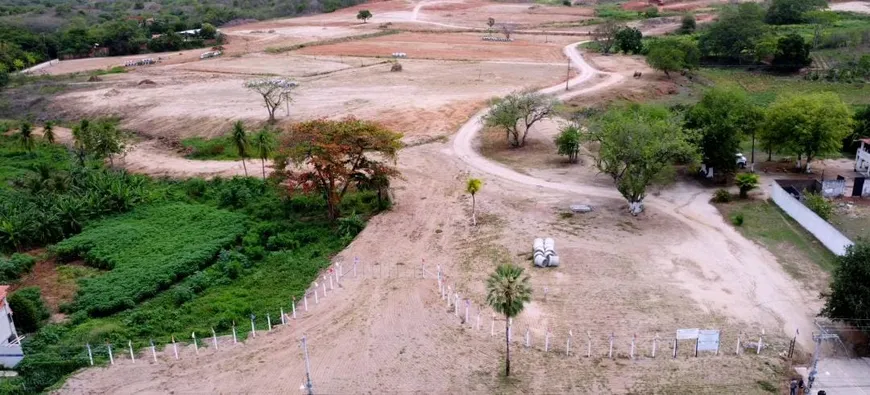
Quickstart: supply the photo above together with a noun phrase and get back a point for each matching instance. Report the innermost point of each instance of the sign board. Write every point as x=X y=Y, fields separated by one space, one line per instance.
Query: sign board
x=687 y=334
x=708 y=340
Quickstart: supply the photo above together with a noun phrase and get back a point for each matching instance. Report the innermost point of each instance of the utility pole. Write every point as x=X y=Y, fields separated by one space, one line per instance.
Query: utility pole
x=814 y=371
x=308 y=384
x=568 y=74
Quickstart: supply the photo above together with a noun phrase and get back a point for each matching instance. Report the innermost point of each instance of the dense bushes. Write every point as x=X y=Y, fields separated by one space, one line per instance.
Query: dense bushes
x=147 y=250
x=29 y=309
x=819 y=205
x=15 y=266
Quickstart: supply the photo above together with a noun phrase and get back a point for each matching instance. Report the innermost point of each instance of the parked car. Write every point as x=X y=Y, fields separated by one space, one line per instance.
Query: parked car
x=741 y=160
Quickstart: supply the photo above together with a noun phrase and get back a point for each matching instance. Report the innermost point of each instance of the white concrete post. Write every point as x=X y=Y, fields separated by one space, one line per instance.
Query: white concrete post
x=478 y=320
x=737 y=351
x=253 y=331
x=111 y=358
x=528 y=340
x=675 y=348
x=175 y=347
x=324 y=287
x=610 y=353
x=294 y=307
x=283 y=318
x=195 y=345
x=448 y=296
x=153 y=351
x=633 y=340
x=492 y=326
x=90 y=354
x=316 y=299
x=467 y=303
x=588 y=344
x=269 y=322
x=330 y=282
x=235 y=340
x=456 y=304
x=760 y=340
x=305 y=300
x=214 y=337
x=655 y=343
x=130 y=346
x=547 y=341
x=568 y=343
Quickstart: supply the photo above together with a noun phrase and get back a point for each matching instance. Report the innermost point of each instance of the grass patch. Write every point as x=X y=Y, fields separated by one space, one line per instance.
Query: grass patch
x=112 y=70
x=146 y=251
x=15 y=162
x=218 y=148
x=763 y=88
x=616 y=13
x=852 y=222
x=764 y=223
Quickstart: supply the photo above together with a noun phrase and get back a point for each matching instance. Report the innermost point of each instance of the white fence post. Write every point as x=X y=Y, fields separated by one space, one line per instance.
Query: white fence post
x=111 y=358
x=655 y=343
x=760 y=340
x=528 y=338
x=195 y=345
x=269 y=322
x=305 y=297
x=633 y=340
x=294 y=307
x=568 y=343
x=547 y=341
x=214 y=337
x=588 y=344
x=130 y=345
x=174 y=347
x=492 y=326
x=737 y=350
x=467 y=305
x=610 y=353
x=253 y=331
x=90 y=354
x=235 y=340
x=316 y=299
x=283 y=321
x=478 y=320
x=153 y=350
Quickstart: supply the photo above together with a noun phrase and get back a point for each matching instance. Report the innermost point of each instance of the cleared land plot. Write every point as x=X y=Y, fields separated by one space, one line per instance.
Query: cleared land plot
x=427 y=98
x=451 y=46
x=765 y=88
x=476 y=13
x=852 y=219
x=853 y=6
x=267 y=64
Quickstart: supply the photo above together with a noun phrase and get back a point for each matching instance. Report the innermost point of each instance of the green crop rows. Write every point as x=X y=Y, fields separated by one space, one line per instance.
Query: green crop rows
x=146 y=251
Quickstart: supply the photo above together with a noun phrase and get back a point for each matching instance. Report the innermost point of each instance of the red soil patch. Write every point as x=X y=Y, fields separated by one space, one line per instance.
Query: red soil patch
x=445 y=46
x=55 y=291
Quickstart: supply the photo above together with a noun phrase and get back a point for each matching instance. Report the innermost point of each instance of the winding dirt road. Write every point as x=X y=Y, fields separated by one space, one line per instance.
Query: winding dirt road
x=730 y=255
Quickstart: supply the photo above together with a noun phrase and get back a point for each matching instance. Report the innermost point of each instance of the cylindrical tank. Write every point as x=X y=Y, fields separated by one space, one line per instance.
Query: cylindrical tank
x=538 y=244
x=553 y=261
x=549 y=244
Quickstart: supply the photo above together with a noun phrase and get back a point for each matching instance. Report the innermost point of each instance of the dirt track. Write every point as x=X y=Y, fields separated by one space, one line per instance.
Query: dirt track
x=679 y=265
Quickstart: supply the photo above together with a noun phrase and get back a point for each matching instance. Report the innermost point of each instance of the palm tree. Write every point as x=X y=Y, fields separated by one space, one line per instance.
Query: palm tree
x=746 y=182
x=473 y=186
x=240 y=140
x=26 y=135
x=264 y=142
x=507 y=291
x=48 y=132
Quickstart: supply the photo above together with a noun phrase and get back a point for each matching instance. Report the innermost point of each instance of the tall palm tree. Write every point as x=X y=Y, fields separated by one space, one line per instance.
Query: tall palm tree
x=264 y=142
x=507 y=291
x=25 y=133
x=240 y=140
x=473 y=186
x=48 y=132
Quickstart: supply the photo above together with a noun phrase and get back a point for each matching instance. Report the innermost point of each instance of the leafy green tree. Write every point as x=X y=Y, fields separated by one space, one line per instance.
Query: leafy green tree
x=849 y=297
x=786 y=12
x=472 y=186
x=568 y=142
x=48 y=132
x=636 y=143
x=860 y=130
x=809 y=125
x=207 y=31
x=605 y=35
x=264 y=143
x=746 y=182
x=687 y=24
x=25 y=133
x=239 y=138
x=4 y=76
x=819 y=205
x=733 y=37
x=629 y=40
x=672 y=54
x=792 y=53
x=507 y=292
x=364 y=15
x=29 y=308
x=18 y=64
x=516 y=113
x=722 y=117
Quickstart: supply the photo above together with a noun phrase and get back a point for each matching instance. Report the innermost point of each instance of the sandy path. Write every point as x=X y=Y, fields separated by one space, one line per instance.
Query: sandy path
x=718 y=247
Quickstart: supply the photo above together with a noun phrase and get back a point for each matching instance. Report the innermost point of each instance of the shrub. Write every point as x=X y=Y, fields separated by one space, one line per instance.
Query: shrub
x=651 y=12
x=17 y=265
x=821 y=206
x=746 y=182
x=737 y=219
x=688 y=24
x=182 y=294
x=29 y=309
x=350 y=225
x=566 y=3
x=721 y=196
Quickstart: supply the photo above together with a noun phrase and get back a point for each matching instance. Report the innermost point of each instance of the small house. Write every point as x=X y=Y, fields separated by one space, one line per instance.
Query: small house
x=10 y=342
x=862 y=158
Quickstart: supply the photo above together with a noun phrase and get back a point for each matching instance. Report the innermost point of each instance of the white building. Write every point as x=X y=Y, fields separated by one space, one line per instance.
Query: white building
x=10 y=342
x=862 y=158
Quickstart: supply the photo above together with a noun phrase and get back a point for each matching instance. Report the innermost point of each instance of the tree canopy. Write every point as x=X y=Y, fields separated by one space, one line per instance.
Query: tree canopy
x=792 y=53
x=673 y=54
x=517 y=112
x=273 y=91
x=364 y=15
x=734 y=36
x=636 y=143
x=849 y=297
x=568 y=142
x=629 y=40
x=331 y=153
x=722 y=117
x=785 y=12
x=808 y=125
x=605 y=35
x=507 y=292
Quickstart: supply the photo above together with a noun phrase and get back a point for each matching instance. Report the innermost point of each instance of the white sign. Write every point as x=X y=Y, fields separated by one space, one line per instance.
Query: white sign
x=687 y=334
x=708 y=340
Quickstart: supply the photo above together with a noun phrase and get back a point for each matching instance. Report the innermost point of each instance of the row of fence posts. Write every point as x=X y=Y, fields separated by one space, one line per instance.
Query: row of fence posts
x=453 y=299
x=333 y=276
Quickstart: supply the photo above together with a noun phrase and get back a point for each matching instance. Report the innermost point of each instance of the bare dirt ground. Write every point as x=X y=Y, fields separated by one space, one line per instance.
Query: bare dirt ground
x=853 y=6
x=677 y=266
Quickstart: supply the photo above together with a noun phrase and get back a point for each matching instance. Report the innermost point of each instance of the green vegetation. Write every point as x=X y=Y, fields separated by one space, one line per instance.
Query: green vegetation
x=746 y=182
x=763 y=89
x=29 y=308
x=15 y=266
x=722 y=118
x=145 y=251
x=819 y=205
x=849 y=294
x=672 y=54
x=766 y=224
x=568 y=142
x=507 y=292
x=221 y=147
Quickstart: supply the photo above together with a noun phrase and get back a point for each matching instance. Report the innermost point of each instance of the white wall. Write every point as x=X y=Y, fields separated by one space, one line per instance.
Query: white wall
x=827 y=234
x=10 y=355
